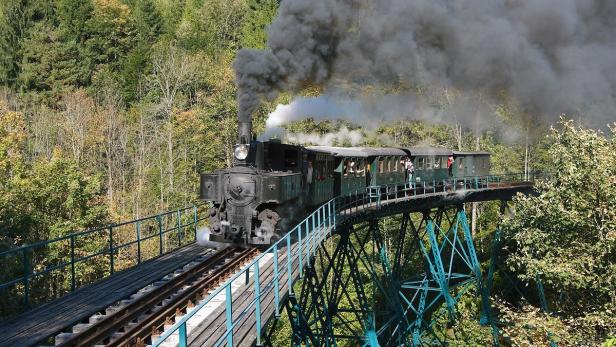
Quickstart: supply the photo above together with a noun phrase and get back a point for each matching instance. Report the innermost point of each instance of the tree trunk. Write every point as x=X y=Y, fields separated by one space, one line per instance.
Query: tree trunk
x=162 y=177
x=109 y=175
x=140 y=169
x=170 y=168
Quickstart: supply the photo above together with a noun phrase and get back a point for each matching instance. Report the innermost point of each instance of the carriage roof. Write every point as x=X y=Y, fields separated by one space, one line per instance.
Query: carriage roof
x=427 y=151
x=458 y=153
x=358 y=152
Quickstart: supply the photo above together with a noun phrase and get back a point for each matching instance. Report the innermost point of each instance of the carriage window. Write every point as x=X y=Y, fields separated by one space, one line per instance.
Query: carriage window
x=319 y=167
x=437 y=163
x=351 y=167
x=345 y=166
x=394 y=163
x=290 y=158
x=381 y=165
x=485 y=163
x=461 y=163
x=388 y=160
x=429 y=163
x=420 y=163
x=360 y=171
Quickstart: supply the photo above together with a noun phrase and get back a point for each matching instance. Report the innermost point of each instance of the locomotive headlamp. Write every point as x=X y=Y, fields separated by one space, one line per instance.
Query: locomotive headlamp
x=240 y=152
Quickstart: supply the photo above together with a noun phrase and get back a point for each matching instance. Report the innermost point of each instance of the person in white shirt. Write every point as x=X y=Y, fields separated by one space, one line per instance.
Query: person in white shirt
x=410 y=169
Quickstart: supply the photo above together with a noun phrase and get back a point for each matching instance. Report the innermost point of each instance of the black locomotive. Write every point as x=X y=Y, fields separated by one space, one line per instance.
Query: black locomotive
x=273 y=185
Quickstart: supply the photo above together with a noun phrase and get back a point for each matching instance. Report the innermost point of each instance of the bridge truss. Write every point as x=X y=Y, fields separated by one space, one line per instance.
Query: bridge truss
x=377 y=287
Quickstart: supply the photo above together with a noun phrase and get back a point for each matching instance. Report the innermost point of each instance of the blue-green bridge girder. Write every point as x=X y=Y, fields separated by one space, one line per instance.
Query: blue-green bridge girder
x=382 y=288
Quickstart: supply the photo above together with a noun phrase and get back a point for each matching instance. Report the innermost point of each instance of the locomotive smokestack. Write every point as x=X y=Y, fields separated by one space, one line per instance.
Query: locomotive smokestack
x=245 y=132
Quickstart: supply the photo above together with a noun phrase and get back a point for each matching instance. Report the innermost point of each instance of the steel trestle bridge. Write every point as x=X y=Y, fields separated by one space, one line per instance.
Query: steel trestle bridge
x=342 y=274
x=379 y=267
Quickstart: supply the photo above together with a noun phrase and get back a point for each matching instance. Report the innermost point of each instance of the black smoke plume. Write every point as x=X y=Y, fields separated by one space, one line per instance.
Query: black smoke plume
x=550 y=56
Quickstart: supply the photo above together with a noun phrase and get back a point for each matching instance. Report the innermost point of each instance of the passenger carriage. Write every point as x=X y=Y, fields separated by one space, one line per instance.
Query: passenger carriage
x=322 y=187
x=430 y=165
x=356 y=168
x=475 y=164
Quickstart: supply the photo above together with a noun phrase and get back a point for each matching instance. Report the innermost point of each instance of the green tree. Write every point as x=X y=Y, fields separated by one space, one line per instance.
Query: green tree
x=113 y=32
x=49 y=64
x=147 y=19
x=13 y=21
x=211 y=26
x=12 y=167
x=137 y=65
x=171 y=12
x=63 y=199
x=566 y=235
x=261 y=13
x=73 y=18
x=47 y=199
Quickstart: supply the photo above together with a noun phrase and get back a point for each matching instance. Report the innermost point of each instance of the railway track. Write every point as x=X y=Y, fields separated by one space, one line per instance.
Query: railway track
x=144 y=317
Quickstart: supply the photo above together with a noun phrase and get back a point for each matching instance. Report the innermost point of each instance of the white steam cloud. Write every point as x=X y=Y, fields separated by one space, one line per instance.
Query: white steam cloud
x=370 y=112
x=344 y=136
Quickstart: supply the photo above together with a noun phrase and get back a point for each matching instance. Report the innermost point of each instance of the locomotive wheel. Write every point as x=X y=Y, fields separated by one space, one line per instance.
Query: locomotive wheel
x=270 y=216
x=267 y=227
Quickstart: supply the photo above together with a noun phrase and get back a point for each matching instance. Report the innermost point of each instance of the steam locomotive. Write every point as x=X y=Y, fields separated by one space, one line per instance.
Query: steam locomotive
x=272 y=185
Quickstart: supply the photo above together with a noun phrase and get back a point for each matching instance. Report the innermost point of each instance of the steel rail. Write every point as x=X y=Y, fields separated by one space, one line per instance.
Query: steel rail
x=141 y=318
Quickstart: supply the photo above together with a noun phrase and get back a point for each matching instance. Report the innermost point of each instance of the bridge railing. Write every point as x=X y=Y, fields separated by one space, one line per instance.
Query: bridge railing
x=38 y=272
x=375 y=196
x=288 y=256
x=276 y=269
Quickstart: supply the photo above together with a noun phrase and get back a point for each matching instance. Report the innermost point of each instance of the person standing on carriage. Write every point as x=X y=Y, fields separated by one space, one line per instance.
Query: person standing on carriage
x=450 y=165
x=410 y=169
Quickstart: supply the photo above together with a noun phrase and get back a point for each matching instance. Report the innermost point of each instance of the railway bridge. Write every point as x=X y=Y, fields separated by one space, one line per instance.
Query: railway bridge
x=379 y=267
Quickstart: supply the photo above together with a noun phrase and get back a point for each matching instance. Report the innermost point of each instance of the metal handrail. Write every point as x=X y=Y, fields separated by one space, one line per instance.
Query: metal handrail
x=34 y=265
x=301 y=243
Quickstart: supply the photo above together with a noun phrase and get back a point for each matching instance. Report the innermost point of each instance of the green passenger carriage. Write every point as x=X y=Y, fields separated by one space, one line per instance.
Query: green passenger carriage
x=322 y=187
x=430 y=164
x=467 y=164
x=356 y=168
x=348 y=169
x=386 y=166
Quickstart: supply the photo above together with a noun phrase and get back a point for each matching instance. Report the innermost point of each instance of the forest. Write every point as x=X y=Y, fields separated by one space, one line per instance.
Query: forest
x=110 y=109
